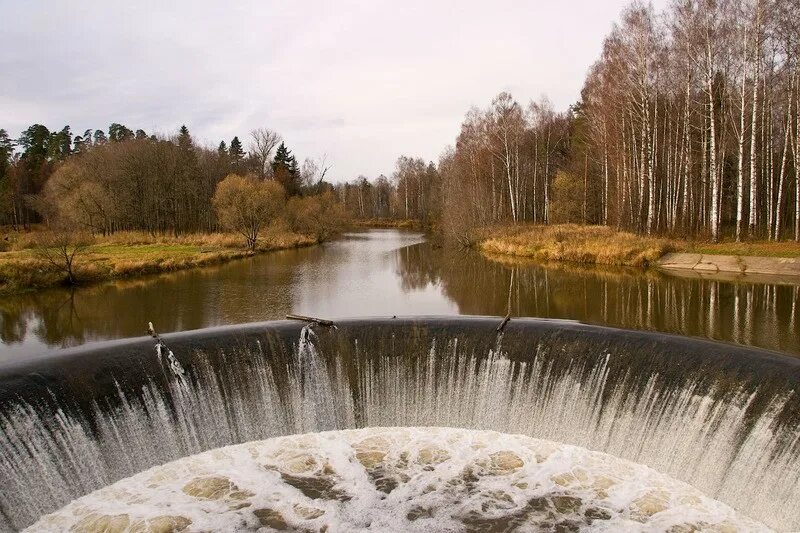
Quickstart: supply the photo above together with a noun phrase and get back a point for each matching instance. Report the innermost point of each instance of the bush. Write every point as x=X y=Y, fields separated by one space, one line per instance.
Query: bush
x=245 y=204
x=321 y=216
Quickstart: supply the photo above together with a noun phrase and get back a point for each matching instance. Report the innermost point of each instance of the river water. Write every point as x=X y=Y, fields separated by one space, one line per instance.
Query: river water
x=390 y=272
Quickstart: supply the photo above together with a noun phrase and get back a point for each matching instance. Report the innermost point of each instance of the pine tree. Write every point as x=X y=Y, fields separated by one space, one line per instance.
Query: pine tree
x=100 y=137
x=118 y=132
x=223 y=148
x=285 y=170
x=6 y=151
x=184 y=138
x=236 y=152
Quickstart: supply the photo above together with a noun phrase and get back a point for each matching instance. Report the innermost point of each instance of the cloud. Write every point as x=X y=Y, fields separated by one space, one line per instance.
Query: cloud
x=361 y=81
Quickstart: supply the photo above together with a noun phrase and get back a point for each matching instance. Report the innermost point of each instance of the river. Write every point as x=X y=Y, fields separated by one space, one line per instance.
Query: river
x=391 y=272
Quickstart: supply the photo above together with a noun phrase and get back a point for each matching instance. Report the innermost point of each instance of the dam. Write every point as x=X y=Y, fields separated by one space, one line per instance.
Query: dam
x=723 y=419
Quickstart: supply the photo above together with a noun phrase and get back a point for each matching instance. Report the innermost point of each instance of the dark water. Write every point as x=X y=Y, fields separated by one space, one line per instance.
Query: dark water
x=387 y=272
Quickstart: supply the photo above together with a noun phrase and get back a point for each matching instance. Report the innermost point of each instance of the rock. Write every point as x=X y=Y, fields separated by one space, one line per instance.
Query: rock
x=161 y=524
x=566 y=504
x=651 y=503
x=309 y=513
x=271 y=518
x=210 y=488
x=504 y=462
x=100 y=523
x=432 y=456
x=300 y=464
x=370 y=459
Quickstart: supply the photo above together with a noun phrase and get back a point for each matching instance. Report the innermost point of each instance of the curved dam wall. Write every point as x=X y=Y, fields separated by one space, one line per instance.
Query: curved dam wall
x=723 y=418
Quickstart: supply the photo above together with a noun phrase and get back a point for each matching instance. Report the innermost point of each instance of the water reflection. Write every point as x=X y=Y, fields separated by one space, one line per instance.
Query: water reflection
x=758 y=314
x=386 y=272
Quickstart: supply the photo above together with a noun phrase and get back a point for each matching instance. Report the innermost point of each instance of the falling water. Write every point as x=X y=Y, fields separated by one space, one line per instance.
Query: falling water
x=716 y=418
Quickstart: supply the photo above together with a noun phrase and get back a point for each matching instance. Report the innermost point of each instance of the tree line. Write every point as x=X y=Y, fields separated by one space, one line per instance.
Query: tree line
x=688 y=124
x=128 y=180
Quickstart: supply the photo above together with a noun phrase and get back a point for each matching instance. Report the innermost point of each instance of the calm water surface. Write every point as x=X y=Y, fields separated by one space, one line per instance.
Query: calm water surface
x=388 y=272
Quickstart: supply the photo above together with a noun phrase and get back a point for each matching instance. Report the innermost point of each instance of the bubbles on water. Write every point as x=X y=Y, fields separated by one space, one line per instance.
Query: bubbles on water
x=398 y=479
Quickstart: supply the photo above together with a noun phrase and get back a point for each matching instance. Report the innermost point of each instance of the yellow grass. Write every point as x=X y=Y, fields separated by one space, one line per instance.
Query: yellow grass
x=400 y=223
x=128 y=254
x=755 y=248
x=576 y=244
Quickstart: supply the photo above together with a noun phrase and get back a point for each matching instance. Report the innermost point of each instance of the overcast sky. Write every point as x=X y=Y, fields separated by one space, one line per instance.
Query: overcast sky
x=362 y=82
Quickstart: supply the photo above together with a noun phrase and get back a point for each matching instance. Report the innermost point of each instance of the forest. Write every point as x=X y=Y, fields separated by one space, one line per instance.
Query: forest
x=127 y=180
x=687 y=125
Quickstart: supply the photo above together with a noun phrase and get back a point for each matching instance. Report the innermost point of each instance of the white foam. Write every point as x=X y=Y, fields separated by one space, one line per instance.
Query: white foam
x=398 y=479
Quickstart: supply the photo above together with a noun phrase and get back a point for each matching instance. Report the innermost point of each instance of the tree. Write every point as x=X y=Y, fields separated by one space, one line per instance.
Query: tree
x=567 y=194
x=312 y=173
x=263 y=143
x=246 y=204
x=319 y=215
x=60 y=247
x=119 y=133
x=236 y=153
x=285 y=171
x=6 y=194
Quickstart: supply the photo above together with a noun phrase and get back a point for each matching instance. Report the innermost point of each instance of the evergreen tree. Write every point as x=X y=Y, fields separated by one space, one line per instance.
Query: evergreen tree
x=285 y=170
x=118 y=132
x=236 y=153
x=86 y=138
x=184 y=138
x=140 y=135
x=6 y=151
x=100 y=137
x=59 y=145
x=223 y=148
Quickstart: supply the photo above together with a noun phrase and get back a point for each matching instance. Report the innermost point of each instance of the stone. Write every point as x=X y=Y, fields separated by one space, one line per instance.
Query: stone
x=271 y=518
x=101 y=523
x=210 y=488
x=432 y=456
x=504 y=462
x=309 y=513
x=161 y=524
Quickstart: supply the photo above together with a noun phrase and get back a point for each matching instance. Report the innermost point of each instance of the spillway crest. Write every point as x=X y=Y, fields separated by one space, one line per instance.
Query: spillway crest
x=724 y=419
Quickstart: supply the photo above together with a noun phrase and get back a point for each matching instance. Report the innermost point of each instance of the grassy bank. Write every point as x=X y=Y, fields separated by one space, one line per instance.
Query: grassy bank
x=756 y=248
x=606 y=246
x=401 y=223
x=572 y=243
x=128 y=254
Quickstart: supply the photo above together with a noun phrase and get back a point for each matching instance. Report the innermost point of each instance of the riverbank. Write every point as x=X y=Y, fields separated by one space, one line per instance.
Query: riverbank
x=129 y=254
x=389 y=223
x=571 y=243
x=603 y=245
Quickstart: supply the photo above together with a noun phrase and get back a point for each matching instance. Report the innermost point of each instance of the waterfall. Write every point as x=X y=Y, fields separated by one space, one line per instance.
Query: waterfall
x=717 y=419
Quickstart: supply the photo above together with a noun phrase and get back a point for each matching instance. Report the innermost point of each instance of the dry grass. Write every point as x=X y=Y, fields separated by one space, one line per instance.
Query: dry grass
x=400 y=223
x=576 y=244
x=755 y=248
x=128 y=254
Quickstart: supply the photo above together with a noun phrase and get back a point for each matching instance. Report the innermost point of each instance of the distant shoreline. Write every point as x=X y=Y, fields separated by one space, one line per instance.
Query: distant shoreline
x=602 y=245
x=127 y=255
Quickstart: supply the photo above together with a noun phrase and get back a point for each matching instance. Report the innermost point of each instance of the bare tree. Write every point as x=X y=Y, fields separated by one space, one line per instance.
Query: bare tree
x=261 y=146
x=313 y=171
x=246 y=204
x=61 y=246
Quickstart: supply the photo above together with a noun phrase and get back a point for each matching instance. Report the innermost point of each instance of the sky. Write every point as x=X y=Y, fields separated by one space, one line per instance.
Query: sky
x=360 y=83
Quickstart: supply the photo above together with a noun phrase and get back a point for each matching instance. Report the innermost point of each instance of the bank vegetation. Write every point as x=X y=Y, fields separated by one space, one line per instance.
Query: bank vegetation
x=38 y=258
x=688 y=126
